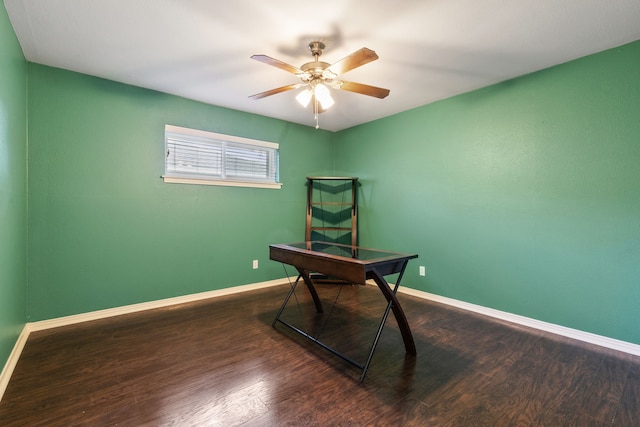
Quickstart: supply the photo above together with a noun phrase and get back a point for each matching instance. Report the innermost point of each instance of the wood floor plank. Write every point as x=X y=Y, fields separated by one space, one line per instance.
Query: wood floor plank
x=220 y=362
x=628 y=411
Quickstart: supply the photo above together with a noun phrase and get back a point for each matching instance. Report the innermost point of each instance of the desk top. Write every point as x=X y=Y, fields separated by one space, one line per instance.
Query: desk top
x=343 y=261
x=333 y=178
x=347 y=251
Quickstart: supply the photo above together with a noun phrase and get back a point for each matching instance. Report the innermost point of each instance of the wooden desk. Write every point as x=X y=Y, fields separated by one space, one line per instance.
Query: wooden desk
x=353 y=264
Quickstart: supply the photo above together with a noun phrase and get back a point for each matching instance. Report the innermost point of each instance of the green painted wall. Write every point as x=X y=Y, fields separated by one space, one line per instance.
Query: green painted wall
x=13 y=188
x=105 y=231
x=524 y=196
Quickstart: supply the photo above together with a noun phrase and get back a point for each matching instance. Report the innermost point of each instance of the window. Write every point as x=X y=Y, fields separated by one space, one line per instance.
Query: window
x=199 y=157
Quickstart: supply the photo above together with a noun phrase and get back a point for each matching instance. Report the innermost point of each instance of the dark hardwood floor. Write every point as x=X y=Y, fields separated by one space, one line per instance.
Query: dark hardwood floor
x=219 y=362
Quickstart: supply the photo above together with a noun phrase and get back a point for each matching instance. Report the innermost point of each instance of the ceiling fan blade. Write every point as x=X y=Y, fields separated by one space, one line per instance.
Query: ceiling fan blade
x=363 y=89
x=278 y=64
x=355 y=60
x=274 y=91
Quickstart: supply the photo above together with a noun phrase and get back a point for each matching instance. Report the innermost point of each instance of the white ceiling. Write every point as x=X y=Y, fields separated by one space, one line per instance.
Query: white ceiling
x=429 y=49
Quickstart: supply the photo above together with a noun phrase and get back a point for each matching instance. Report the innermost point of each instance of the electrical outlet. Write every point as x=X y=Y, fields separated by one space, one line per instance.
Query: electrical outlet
x=255 y=264
x=422 y=271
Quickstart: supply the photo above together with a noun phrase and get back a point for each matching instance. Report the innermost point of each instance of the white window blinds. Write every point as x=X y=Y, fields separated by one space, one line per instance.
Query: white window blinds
x=199 y=157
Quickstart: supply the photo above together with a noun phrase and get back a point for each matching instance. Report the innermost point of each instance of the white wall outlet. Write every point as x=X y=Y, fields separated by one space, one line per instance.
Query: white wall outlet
x=422 y=271
x=255 y=264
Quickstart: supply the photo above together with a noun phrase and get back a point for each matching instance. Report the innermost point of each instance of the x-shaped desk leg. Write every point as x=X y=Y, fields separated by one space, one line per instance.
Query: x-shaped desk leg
x=392 y=304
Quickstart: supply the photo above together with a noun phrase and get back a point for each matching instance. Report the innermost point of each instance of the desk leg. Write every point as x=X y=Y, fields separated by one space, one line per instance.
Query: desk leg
x=390 y=295
x=312 y=290
x=392 y=304
x=286 y=300
x=305 y=276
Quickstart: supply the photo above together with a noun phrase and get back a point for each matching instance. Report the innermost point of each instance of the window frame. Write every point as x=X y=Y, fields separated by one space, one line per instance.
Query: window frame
x=196 y=136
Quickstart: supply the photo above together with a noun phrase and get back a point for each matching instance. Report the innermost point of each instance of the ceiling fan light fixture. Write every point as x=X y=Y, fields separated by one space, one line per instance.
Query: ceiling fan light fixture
x=323 y=96
x=304 y=97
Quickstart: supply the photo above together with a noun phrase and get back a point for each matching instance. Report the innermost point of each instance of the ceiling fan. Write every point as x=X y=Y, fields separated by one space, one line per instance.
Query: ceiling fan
x=317 y=77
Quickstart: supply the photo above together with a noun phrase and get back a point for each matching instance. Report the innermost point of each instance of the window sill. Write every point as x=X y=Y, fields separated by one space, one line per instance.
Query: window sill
x=177 y=180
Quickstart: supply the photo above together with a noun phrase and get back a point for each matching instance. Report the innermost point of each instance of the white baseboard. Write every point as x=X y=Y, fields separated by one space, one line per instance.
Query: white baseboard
x=600 y=340
x=133 y=308
x=7 y=371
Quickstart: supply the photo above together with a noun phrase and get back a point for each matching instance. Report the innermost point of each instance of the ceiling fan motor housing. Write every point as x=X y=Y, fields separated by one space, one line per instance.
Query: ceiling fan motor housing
x=315 y=68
